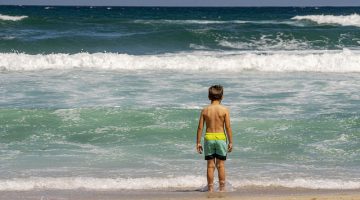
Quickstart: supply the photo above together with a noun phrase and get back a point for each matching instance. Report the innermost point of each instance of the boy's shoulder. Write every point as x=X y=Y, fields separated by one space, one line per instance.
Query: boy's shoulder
x=221 y=107
x=224 y=107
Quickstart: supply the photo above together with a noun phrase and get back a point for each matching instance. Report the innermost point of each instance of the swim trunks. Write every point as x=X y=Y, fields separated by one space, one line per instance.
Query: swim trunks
x=215 y=146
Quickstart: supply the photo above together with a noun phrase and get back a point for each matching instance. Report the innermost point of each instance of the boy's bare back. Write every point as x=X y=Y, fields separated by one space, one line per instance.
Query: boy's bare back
x=215 y=116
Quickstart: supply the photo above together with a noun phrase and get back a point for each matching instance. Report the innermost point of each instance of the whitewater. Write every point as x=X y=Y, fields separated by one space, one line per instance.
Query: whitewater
x=197 y=182
x=344 y=20
x=311 y=61
x=12 y=18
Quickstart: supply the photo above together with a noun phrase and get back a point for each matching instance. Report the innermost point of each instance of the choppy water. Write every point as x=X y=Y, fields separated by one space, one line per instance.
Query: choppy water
x=109 y=98
x=162 y=30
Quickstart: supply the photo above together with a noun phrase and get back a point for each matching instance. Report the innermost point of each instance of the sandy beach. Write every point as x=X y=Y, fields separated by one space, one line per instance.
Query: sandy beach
x=244 y=194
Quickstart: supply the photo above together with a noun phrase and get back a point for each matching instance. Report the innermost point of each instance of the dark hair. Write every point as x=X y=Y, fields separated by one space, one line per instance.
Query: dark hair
x=216 y=92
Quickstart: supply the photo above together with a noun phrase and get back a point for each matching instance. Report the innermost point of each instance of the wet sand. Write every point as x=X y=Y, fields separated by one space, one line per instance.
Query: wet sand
x=244 y=194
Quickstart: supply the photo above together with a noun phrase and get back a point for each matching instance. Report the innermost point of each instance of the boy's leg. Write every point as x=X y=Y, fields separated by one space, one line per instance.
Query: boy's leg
x=210 y=174
x=220 y=165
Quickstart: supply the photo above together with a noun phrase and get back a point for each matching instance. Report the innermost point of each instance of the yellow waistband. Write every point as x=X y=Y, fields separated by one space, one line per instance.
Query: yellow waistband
x=215 y=136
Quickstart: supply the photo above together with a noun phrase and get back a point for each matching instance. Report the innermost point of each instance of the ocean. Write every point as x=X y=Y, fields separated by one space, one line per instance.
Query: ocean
x=108 y=98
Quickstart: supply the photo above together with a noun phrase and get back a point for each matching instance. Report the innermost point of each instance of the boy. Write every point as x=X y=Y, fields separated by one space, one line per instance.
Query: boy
x=216 y=117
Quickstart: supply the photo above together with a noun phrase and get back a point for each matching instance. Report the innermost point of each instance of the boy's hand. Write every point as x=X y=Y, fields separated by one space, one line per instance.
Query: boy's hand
x=229 y=147
x=199 y=148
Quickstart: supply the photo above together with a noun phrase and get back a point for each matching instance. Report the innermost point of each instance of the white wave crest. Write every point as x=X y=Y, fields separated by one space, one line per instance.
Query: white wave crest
x=7 y=38
x=12 y=18
x=269 y=42
x=276 y=61
x=344 y=20
x=90 y=183
x=198 y=47
x=203 y=21
x=189 y=21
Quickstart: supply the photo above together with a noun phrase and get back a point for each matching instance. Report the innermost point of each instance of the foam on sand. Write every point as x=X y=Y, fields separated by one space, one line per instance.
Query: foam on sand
x=99 y=183
x=344 y=20
x=196 y=182
x=277 y=61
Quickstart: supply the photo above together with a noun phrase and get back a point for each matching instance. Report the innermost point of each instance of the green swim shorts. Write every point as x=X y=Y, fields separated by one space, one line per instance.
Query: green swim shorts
x=215 y=146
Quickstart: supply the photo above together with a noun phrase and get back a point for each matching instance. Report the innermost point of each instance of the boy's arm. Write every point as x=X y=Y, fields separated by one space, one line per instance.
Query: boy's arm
x=228 y=130
x=199 y=133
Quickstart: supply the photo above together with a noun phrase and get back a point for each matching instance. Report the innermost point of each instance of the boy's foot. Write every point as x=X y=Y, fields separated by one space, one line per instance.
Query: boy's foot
x=222 y=186
x=210 y=187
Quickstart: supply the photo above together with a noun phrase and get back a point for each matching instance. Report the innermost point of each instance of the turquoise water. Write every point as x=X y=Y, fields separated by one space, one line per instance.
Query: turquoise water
x=109 y=98
x=288 y=126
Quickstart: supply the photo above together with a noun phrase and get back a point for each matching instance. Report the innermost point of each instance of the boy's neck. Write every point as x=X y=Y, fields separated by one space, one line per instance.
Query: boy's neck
x=215 y=102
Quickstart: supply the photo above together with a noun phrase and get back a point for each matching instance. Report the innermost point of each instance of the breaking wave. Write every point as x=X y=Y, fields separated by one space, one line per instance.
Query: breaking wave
x=203 y=21
x=12 y=18
x=276 y=61
x=344 y=20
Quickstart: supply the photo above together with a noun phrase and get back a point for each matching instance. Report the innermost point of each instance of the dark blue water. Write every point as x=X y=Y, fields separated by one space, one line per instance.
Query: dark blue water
x=151 y=30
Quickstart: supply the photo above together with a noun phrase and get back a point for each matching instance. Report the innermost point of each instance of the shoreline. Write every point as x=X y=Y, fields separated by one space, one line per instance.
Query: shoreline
x=243 y=193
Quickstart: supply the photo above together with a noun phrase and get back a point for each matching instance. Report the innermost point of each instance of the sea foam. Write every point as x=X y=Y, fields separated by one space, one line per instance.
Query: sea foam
x=210 y=22
x=100 y=183
x=190 y=21
x=344 y=20
x=268 y=42
x=12 y=18
x=277 y=61
x=196 y=182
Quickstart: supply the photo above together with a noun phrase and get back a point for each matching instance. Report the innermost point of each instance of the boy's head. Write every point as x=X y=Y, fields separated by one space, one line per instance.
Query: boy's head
x=216 y=92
